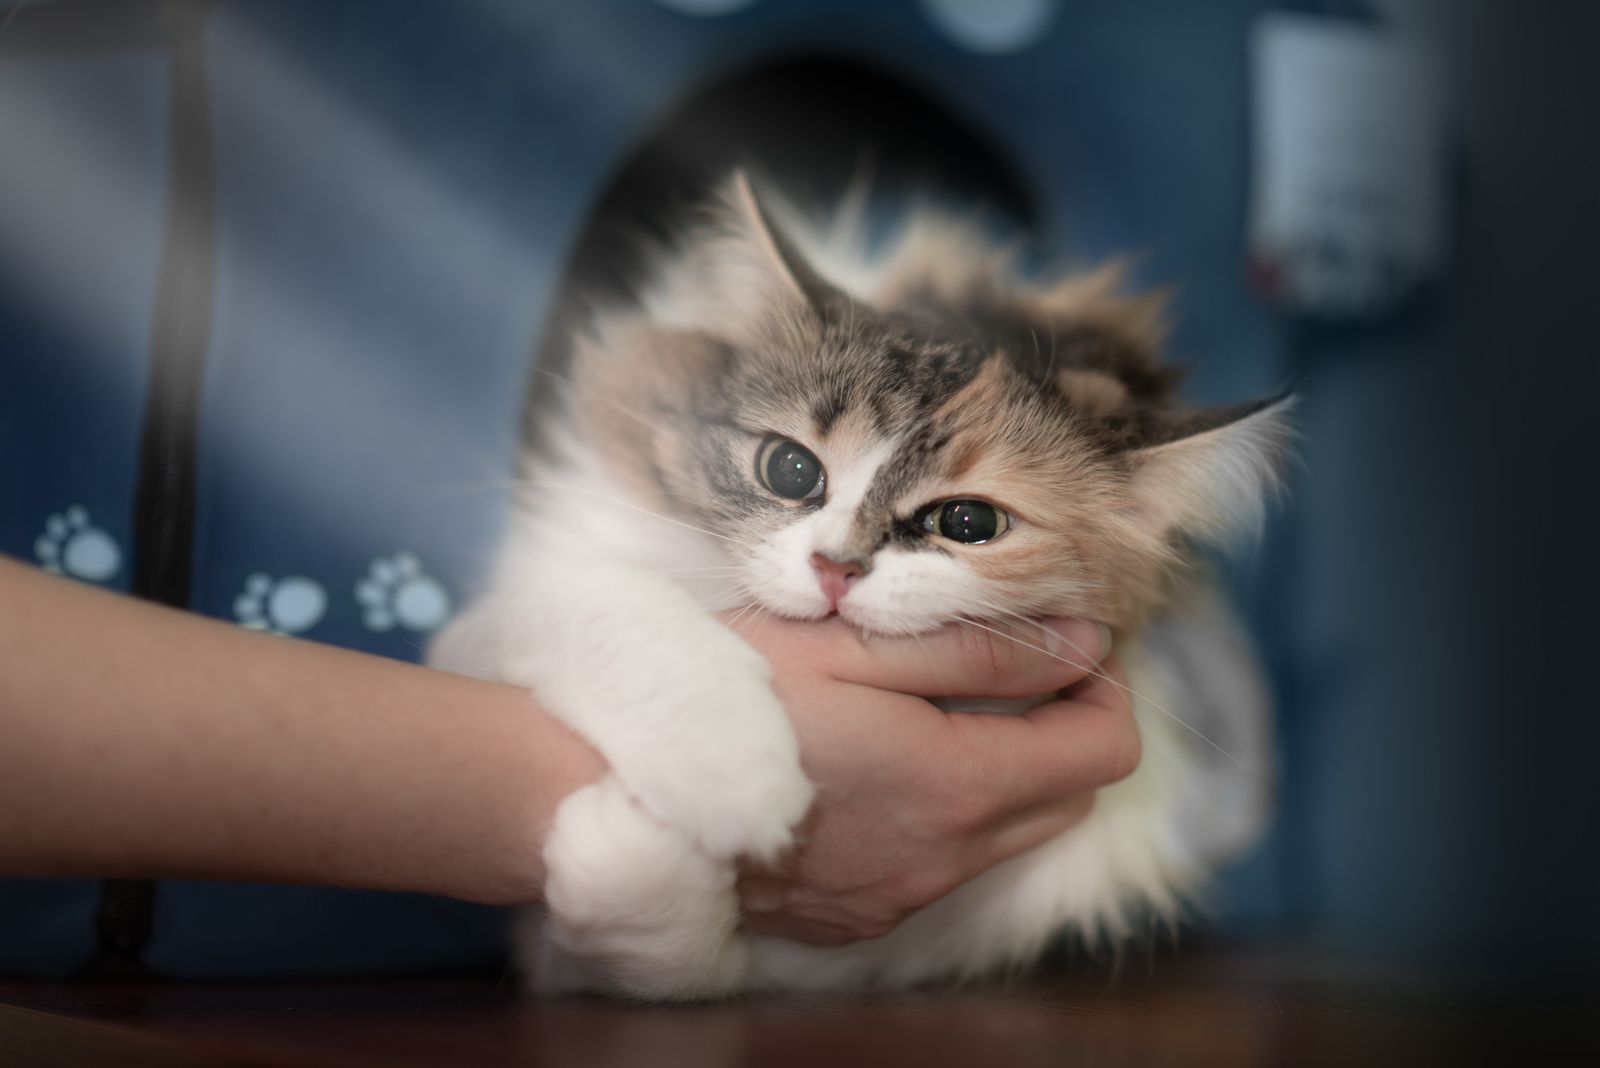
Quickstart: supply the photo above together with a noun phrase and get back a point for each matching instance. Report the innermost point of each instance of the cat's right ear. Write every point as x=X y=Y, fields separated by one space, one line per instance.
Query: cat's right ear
x=780 y=258
x=1212 y=479
x=734 y=270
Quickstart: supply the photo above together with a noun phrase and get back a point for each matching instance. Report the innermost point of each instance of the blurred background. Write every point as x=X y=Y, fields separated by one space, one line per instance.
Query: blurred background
x=272 y=276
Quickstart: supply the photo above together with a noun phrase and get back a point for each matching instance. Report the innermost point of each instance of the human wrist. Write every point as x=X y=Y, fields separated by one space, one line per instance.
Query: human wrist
x=539 y=763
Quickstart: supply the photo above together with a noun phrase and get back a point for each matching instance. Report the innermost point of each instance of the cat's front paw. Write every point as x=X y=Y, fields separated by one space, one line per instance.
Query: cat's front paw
x=730 y=778
x=679 y=705
x=746 y=804
x=635 y=908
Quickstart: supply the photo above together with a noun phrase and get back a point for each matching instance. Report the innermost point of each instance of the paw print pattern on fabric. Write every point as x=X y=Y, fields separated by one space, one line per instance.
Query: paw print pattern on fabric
x=289 y=605
x=398 y=592
x=72 y=545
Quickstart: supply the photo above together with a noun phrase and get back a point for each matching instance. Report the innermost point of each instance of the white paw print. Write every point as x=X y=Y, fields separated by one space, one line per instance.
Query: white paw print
x=288 y=605
x=72 y=545
x=397 y=591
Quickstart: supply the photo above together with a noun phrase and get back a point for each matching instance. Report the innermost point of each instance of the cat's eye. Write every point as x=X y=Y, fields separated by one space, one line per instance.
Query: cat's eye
x=789 y=469
x=968 y=522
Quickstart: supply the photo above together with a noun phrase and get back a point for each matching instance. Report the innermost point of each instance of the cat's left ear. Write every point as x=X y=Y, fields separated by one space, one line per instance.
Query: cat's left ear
x=1212 y=471
x=782 y=258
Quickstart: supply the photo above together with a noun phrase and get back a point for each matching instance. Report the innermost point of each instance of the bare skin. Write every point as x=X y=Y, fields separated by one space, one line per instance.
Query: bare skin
x=187 y=748
x=913 y=801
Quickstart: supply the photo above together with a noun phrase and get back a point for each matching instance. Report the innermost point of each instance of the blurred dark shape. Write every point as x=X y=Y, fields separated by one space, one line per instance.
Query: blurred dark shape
x=815 y=125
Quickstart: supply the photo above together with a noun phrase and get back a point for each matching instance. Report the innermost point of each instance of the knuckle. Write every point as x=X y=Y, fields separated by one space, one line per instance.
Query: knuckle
x=958 y=803
x=966 y=813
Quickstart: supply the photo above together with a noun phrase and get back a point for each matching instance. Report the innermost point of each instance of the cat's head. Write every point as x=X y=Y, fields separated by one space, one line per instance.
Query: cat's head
x=937 y=440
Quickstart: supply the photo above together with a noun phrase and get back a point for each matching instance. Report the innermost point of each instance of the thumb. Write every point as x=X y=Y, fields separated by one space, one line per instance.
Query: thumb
x=975 y=658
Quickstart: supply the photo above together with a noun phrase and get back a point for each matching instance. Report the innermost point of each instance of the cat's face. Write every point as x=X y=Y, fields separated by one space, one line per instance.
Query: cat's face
x=903 y=497
x=911 y=462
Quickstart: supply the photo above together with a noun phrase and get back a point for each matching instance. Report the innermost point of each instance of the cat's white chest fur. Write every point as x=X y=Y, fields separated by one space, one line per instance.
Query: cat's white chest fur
x=940 y=439
x=607 y=635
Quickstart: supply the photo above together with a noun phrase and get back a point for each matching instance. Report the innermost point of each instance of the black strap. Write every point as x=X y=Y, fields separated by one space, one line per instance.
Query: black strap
x=163 y=507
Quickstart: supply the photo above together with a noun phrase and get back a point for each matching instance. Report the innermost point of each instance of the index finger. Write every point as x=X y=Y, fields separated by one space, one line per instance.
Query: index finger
x=1083 y=742
x=972 y=658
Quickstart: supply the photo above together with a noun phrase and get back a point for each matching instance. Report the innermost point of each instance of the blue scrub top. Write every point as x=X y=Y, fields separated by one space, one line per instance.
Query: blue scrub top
x=394 y=193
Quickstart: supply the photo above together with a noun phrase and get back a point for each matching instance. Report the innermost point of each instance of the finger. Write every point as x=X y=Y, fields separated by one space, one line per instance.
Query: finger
x=1050 y=752
x=1086 y=741
x=1103 y=687
x=972 y=658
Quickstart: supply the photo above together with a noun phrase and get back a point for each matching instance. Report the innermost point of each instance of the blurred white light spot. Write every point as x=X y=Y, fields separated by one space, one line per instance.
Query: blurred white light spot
x=705 y=7
x=397 y=591
x=72 y=545
x=992 y=26
x=288 y=605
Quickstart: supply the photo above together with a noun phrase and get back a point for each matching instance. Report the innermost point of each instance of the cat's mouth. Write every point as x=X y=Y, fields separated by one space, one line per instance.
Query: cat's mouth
x=875 y=621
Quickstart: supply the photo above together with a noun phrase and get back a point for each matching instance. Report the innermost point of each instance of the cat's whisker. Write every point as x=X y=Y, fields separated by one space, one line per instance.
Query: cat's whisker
x=468 y=489
x=543 y=484
x=1087 y=665
x=762 y=614
x=1006 y=613
x=520 y=483
x=596 y=395
x=738 y=617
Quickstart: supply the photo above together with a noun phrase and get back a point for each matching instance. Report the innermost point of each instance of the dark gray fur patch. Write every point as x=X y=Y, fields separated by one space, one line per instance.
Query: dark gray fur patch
x=902 y=365
x=1037 y=347
x=829 y=407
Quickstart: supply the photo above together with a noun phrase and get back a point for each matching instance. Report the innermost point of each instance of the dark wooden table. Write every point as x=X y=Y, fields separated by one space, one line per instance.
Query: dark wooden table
x=1214 y=1007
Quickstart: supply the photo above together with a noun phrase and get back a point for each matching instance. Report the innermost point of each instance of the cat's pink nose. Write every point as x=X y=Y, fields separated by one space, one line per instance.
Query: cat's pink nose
x=836 y=577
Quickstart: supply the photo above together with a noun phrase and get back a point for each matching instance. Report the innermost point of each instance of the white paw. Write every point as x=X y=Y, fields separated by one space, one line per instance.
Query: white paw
x=690 y=726
x=287 y=605
x=644 y=910
x=737 y=791
x=72 y=545
x=397 y=591
x=681 y=708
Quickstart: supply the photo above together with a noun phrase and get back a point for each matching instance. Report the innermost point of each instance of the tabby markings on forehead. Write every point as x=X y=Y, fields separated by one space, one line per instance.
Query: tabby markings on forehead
x=828 y=408
x=876 y=521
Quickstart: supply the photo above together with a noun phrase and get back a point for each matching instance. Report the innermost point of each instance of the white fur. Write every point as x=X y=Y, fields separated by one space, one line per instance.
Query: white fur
x=779 y=570
x=911 y=592
x=679 y=707
x=605 y=613
x=905 y=593
x=641 y=893
x=636 y=899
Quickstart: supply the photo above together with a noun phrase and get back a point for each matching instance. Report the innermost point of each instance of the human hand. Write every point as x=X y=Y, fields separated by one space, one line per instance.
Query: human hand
x=913 y=801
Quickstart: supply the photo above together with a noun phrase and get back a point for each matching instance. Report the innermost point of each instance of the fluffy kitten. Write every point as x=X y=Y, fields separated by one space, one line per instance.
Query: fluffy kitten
x=906 y=438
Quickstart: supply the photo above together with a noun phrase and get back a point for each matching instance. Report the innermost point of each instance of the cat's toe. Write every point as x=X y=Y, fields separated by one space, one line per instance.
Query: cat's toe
x=743 y=797
x=635 y=908
x=757 y=816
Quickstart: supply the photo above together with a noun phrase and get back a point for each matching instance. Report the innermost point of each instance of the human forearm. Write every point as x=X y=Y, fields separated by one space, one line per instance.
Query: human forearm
x=136 y=741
